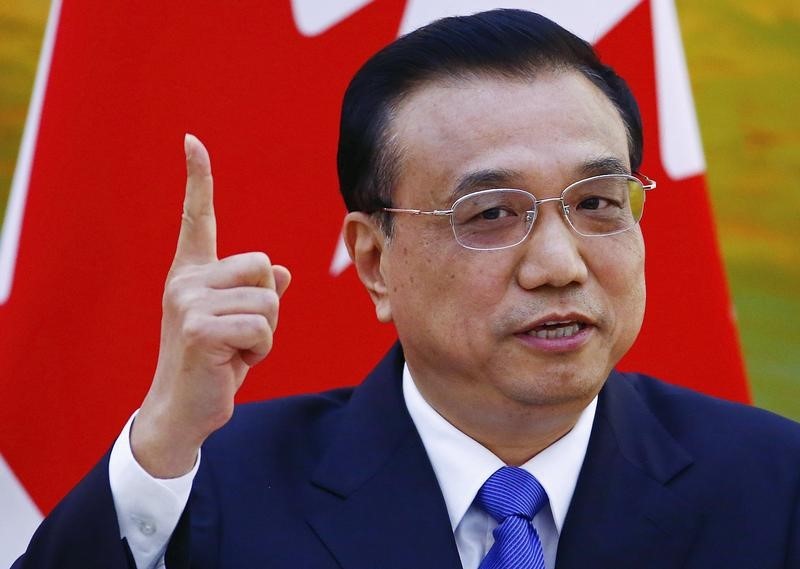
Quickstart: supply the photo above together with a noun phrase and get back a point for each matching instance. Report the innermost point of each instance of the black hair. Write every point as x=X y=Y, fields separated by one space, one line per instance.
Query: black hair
x=501 y=43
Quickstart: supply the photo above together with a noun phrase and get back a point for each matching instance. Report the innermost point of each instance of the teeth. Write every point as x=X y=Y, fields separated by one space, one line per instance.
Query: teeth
x=561 y=331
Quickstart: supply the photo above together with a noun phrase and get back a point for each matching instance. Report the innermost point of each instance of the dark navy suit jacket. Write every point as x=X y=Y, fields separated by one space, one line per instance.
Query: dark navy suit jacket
x=341 y=480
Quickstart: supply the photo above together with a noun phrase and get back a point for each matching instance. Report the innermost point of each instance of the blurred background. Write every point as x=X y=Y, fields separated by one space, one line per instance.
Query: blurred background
x=744 y=61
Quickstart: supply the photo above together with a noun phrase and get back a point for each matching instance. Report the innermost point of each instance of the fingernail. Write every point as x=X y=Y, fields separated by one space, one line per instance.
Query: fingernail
x=186 y=145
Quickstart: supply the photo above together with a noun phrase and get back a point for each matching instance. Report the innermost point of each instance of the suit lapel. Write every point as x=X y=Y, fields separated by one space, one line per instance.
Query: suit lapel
x=623 y=513
x=377 y=503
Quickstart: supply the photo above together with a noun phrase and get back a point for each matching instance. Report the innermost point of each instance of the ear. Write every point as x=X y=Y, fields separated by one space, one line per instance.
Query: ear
x=365 y=243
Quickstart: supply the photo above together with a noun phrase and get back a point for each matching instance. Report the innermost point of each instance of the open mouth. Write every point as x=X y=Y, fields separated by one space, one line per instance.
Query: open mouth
x=553 y=330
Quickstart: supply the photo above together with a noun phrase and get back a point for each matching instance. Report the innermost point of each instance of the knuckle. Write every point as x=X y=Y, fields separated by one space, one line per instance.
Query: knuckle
x=266 y=339
x=259 y=264
x=194 y=329
x=249 y=325
x=264 y=334
x=271 y=300
x=246 y=268
x=177 y=281
x=243 y=268
x=262 y=267
x=268 y=344
x=182 y=300
x=260 y=326
x=270 y=306
x=261 y=258
x=173 y=284
x=169 y=301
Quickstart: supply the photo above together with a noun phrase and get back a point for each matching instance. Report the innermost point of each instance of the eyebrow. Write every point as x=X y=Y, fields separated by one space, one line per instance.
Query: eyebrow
x=604 y=165
x=491 y=178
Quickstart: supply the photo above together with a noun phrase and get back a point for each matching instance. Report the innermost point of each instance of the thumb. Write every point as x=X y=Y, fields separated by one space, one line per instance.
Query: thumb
x=282 y=278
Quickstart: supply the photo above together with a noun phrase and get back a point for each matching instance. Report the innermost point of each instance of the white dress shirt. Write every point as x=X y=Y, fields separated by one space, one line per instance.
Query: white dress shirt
x=148 y=509
x=462 y=465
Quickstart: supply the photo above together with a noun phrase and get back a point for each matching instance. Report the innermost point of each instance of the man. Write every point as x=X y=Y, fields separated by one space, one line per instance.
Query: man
x=496 y=434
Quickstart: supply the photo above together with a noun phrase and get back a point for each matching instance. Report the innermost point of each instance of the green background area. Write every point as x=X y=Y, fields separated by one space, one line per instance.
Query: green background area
x=22 y=25
x=744 y=60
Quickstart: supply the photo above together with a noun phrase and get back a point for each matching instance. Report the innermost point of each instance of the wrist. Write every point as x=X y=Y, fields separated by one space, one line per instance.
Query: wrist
x=161 y=448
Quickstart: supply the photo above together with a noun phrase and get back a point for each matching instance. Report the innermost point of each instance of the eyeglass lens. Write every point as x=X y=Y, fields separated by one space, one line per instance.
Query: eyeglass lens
x=493 y=219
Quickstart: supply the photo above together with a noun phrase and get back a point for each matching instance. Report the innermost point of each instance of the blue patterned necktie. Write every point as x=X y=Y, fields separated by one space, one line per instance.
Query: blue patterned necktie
x=512 y=496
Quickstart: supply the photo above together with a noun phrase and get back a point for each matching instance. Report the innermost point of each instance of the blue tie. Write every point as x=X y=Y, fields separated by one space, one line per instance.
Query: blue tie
x=512 y=496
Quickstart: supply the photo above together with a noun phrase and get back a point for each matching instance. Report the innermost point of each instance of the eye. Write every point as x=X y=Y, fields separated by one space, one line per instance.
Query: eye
x=596 y=202
x=491 y=209
x=496 y=213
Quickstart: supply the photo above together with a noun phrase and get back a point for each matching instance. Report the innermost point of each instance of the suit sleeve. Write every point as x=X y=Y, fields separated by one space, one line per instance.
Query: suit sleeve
x=81 y=532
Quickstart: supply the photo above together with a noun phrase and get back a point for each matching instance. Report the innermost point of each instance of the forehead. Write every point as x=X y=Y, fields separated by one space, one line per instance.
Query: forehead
x=537 y=134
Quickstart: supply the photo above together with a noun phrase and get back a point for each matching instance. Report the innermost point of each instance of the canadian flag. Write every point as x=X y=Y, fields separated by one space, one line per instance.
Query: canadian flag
x=95 y=205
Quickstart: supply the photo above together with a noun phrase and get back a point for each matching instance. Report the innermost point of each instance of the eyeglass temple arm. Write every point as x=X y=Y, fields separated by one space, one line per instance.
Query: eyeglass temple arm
x=418 y=211
x=647 y=183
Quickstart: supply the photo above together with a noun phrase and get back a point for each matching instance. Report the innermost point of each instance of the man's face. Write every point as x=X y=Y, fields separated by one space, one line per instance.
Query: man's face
x=474 y=324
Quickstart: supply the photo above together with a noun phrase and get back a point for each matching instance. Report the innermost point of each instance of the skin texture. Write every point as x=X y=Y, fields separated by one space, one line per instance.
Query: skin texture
x=460 y=314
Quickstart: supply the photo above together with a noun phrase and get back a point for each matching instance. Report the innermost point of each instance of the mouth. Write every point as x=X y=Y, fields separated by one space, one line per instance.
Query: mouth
x=558 y=332
x=552 y=330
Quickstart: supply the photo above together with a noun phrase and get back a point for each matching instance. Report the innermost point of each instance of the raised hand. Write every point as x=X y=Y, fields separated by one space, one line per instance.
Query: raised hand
x=219 y=318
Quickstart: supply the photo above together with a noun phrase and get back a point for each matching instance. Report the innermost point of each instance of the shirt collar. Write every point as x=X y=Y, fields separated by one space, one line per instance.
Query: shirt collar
x=462 y=465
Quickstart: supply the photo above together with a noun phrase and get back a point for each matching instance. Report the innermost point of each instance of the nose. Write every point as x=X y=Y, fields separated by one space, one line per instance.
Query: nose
x=552 y=254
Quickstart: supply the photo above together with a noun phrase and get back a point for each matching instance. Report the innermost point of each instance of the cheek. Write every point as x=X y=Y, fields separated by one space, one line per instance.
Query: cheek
x=486 y=288
x=442 y=285
x=416 y=280
x=619 y=268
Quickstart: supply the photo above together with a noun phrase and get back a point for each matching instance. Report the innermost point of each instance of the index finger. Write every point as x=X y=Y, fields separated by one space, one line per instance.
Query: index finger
x=197 y=242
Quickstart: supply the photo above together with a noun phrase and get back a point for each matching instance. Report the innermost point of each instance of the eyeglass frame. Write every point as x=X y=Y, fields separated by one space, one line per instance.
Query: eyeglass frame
x=647 y=185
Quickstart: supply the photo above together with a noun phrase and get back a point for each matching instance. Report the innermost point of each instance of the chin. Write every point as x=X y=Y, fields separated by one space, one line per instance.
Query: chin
x=565 y=387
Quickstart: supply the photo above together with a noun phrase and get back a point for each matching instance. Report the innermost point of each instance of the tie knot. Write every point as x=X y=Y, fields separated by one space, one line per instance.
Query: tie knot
x=511 y=491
